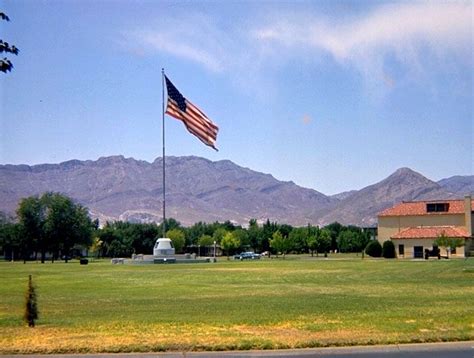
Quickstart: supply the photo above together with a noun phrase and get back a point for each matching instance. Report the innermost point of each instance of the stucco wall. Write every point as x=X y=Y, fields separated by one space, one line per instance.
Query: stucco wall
x=391 y=225
x=409 y=245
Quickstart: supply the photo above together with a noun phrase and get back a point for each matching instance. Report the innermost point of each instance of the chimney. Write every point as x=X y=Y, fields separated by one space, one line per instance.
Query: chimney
x=468 y=214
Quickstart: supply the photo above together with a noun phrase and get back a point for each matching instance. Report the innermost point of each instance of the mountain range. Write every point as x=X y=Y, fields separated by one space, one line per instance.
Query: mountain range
x=119 y=188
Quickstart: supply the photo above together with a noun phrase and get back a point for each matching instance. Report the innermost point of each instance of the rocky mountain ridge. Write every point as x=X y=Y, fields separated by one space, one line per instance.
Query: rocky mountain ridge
x=403 y=185
x=197 y=189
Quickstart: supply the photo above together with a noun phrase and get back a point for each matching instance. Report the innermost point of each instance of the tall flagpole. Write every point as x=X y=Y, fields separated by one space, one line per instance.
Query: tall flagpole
x=163 y=130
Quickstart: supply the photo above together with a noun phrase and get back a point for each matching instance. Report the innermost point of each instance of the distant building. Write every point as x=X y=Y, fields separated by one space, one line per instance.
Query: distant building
x=414 y=226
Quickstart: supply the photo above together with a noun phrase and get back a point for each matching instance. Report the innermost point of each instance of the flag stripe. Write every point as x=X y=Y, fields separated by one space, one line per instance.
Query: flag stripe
x=202 y=115
x=200 y=127
x=206 y=138
x=191 y=120
x=195 y=121
x=189 y=115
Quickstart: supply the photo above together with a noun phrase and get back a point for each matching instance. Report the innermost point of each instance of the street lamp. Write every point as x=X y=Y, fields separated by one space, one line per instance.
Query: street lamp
x=214 y=251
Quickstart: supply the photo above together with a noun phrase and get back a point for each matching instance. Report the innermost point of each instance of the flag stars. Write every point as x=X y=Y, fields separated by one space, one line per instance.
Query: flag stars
x=175 y=95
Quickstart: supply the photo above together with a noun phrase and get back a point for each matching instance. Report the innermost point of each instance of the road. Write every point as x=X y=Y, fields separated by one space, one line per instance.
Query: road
x=431 y=350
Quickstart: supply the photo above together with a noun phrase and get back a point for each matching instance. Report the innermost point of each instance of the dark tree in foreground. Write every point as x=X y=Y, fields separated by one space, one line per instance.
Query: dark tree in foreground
x=53 y=223
x=388 y=250
x=5 y=63
x=31 y=306
x=31 y=214
x=67 y=224
x=10 y=236
x=374 y=249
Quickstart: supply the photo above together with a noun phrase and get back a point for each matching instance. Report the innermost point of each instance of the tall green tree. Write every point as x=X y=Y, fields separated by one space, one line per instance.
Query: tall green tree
x=206 y=240
x=196 y=231
x=219 y=235
x=312 y=240
x=31 y=214
x=145 y=237
x=10 y=237
x=118 y=239
x=298 y=237
x=230 y=242
x=121 y=238
x=312 y=243
x=243 y=237
x=53 y=223
x=323 y=241
x=362 y=240
x=268 y=229
x=254 y=235
x=170 y=224
x=334 y=228
x=178 y=238
x=280 y=244
x=346 y=241
x=228 y=225
x=67 y=223
x=107 y=235
x=285 y=229
x=448 y=243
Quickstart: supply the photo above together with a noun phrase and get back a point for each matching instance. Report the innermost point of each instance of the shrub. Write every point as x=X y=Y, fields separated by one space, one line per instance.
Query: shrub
x=388 y=250
x=31 y=307
x=374 y=249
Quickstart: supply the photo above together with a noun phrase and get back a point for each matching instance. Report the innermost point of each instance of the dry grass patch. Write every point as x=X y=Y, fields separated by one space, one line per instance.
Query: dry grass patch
x=236 y=305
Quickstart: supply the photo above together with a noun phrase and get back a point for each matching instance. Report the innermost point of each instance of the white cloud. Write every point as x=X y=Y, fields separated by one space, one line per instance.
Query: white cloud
x=392 y=26
x=402 y=30
x=405 y=33
x=197 y=38
x=192 y=37
x=167 y=42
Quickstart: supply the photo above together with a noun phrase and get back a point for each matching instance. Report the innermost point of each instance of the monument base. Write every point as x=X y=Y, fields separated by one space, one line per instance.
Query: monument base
x=164 y=260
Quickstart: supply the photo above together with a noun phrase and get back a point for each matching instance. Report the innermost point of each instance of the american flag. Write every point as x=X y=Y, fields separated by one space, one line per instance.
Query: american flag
x=194 y=119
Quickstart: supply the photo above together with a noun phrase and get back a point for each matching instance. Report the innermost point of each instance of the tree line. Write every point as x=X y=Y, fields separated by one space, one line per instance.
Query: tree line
x=51 y=224
x=123 y=239
x=54 y=224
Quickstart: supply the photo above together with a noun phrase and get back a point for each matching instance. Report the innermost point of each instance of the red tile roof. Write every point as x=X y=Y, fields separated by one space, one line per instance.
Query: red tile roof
x=419 y=208
x=431 y=232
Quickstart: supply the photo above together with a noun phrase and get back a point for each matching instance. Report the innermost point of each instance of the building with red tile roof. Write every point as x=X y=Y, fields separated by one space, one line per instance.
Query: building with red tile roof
x=431 y=232
x=421 y=208
x=414 y=226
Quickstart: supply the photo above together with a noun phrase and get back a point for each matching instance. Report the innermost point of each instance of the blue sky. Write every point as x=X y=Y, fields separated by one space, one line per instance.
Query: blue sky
x=333 y=95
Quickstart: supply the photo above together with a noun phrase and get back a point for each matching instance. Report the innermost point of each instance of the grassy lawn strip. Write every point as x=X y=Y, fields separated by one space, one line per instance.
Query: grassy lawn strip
x=236 y=305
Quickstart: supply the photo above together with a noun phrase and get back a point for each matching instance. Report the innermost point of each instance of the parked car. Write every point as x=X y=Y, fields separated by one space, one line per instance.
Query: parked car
x=247 y=256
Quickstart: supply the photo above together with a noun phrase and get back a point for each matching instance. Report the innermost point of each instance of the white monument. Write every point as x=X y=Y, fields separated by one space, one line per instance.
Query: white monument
x=164 y=250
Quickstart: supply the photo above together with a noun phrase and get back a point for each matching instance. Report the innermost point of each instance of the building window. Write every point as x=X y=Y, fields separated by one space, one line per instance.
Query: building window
x=437 y=207
x=401 y=250
x=418 y=252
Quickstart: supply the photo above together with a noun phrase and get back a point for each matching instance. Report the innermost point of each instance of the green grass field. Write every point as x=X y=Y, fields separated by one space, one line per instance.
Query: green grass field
x=236 y=305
